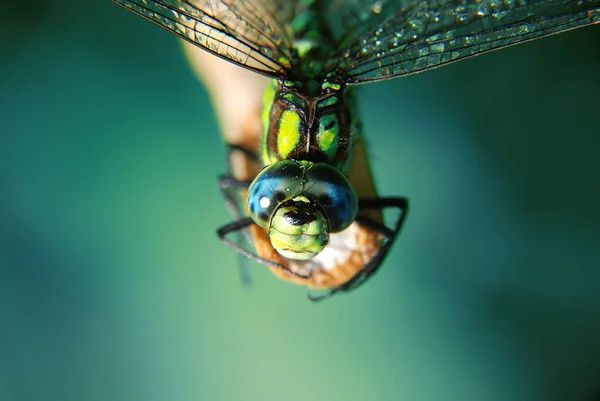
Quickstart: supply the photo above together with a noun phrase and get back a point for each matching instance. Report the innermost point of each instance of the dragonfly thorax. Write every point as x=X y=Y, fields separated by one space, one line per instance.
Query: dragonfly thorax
x=303 y=127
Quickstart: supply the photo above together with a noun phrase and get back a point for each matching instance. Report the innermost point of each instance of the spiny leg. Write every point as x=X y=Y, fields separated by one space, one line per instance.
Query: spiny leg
x=389 y=235
x=231 y=189
x=247 y=152
x=241 y=224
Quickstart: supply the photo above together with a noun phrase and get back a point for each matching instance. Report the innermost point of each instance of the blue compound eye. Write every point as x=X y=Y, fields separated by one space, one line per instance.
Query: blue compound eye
x=331 y=190
x=275 y=184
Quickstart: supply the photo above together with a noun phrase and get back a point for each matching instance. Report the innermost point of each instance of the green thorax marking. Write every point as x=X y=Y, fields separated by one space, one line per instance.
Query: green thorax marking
x=306 y=116
x=313 y=47
x=312 y=128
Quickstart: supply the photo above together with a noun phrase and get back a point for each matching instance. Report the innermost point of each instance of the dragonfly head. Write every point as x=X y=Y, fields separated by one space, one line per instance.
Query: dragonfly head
x=301 y=203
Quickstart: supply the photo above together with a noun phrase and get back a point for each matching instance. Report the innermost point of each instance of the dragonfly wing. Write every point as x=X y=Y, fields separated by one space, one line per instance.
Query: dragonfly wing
x=400 y=38
x=250 y=33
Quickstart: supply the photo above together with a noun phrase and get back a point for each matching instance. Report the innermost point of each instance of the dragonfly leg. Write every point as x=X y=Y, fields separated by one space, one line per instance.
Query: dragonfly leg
x=389 y=235
x=247 y=152
x=241 y=224
x=231 y=191
x=226 y=182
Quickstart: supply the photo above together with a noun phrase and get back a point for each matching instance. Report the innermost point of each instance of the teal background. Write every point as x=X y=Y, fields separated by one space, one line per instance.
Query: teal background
x=113 y=285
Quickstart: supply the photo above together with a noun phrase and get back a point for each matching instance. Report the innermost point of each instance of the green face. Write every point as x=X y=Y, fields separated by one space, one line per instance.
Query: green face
x=300 y=203
x=298 y=229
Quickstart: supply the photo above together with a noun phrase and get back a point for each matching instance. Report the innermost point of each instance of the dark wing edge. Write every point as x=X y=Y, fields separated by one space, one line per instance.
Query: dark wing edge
x=248 y=34
x=424 y=35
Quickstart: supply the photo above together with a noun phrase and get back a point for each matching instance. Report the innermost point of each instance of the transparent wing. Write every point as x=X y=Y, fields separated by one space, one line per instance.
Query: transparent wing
x=250 y=33
x=400 y=38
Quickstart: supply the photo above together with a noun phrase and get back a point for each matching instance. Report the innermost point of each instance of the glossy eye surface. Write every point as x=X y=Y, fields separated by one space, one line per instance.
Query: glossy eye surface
x=331 y=190
x=275 y=184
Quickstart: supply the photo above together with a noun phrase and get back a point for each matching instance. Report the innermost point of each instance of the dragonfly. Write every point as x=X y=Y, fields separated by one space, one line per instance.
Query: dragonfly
x=303 y=201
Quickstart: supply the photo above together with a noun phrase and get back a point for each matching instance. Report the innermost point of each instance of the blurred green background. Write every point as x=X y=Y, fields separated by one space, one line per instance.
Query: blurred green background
x=113 y=285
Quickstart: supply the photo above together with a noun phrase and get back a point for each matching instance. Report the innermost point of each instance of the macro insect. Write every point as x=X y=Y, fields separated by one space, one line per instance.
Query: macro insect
x=301 y=203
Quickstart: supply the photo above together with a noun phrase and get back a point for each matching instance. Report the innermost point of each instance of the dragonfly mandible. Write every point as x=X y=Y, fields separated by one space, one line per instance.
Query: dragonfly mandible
x=298 y=200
